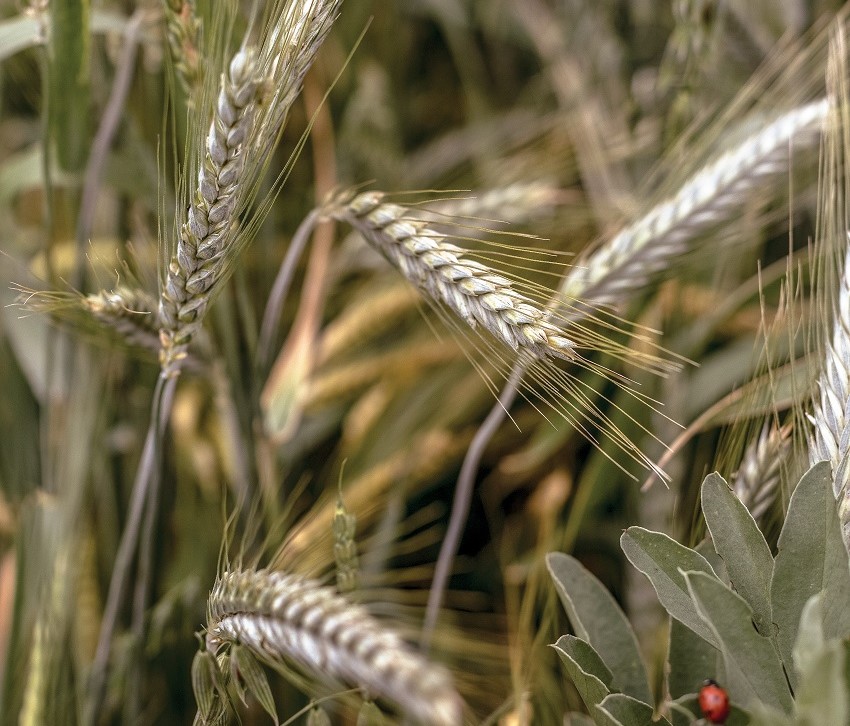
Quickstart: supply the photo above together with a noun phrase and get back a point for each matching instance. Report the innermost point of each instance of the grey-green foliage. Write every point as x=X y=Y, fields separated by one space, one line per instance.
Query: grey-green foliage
x=773 y=631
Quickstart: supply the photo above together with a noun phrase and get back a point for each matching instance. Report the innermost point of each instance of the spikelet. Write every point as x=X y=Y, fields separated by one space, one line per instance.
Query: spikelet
x=478 y=294
x=290 y=620
x=345 y=548
x=184 y=30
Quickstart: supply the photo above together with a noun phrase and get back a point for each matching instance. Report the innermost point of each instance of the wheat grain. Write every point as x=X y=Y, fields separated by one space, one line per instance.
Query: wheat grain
x=287 y=619
x=628 y=260
x=475 y=292
x=757 y=480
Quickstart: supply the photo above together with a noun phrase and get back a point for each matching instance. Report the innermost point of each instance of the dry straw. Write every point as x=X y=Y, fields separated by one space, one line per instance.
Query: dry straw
x=287 y=620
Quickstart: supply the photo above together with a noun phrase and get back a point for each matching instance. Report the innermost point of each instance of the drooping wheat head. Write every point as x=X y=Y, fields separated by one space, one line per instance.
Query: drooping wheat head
x=475 y=292
x=287 y=620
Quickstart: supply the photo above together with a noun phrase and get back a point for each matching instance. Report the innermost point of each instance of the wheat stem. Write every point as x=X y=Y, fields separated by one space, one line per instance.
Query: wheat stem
x=287 y=619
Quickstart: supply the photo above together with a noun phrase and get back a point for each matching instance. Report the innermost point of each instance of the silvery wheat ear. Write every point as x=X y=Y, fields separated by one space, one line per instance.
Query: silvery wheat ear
x=254 y=98
x=757 y=480
x=478 y=294
x=289 y=620
x=628 y=260
x=830 y=436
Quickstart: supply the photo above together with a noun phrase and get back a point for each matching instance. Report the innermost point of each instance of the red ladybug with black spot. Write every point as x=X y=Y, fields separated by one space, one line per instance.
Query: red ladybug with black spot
x=714 y=702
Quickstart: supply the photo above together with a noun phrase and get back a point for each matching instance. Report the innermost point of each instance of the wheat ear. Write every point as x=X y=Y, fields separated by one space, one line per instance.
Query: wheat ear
x=475 y=292
x=131 y=312
x=757 y=480
x=204 y=237
x=184 y=31
x=253 y=102
x=628 y=260
x=286 y=619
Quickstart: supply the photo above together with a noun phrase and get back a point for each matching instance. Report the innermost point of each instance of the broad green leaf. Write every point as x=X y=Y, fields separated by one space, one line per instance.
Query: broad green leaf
x=705 y=547
x=691 y=660
x=763 y=715
x=577 y=719
x=742 y=546
x=822 y=694
x=598 y=619
x=663 y=560
x=811 y=558
x=627 y=711
x=585 y=669
x=759 y=671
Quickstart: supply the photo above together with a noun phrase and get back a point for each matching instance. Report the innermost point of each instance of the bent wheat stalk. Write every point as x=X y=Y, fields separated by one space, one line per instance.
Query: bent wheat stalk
x=287 y=619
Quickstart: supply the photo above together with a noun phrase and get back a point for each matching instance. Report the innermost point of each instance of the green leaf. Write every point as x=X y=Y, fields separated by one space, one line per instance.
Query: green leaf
x=68 y=71
x=578 y=719
x=811 y=558
x=742 y=546
x=663 y=560
x=691 y=660
x=249 y=677
x=627 y=711
x=207 y=684
x=598 y=619
x=752 y=663
x=822 y=694
x=585 y=669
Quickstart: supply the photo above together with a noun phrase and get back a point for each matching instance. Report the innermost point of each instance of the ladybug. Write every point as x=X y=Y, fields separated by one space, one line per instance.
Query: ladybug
x=714 y=702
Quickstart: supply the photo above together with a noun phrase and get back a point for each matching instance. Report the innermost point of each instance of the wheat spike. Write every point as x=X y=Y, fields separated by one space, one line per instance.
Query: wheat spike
x=475 y=292
x=641 y=250
x=184 y=30
x=288 y=619
x=253 y=102
x=203 y=238
x=130 y=312
x=757 y=480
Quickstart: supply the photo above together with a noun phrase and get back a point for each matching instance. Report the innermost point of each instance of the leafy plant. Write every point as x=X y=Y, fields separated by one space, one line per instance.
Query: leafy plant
x=773 y=630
